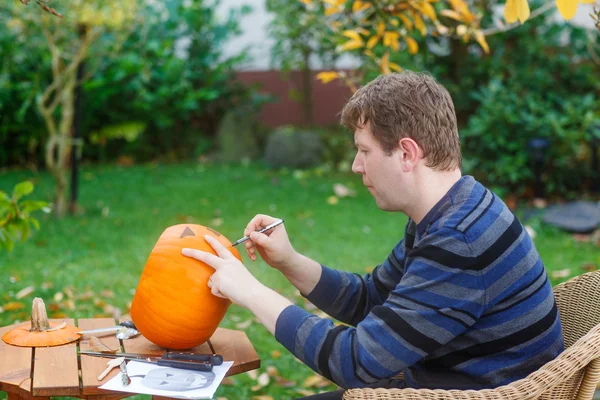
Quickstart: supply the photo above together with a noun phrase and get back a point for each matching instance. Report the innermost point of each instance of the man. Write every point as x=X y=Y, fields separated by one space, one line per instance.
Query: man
x=461 y=302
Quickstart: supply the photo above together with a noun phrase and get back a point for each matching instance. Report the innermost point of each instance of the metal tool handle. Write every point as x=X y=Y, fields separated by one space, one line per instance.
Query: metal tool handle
x=195 y=366
x=214 y=359
x=263 y=230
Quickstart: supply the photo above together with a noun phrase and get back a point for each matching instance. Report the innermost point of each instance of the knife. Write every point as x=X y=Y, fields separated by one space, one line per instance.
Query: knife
x=196 y=362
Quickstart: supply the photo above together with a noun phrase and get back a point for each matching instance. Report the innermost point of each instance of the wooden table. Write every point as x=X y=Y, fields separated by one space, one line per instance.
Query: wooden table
x=37 y=373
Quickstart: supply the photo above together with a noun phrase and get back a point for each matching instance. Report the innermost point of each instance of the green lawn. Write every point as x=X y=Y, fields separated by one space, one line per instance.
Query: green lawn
x=103 y=251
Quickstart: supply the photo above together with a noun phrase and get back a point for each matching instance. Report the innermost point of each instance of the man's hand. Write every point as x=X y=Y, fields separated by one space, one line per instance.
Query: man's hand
x=231 y=279
x=273 y=246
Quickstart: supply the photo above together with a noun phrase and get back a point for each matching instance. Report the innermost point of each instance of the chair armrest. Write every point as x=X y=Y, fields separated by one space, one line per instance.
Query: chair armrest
x=586 y=351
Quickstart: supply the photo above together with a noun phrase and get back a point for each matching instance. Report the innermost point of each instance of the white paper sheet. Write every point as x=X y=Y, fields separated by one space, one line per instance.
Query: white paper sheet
x=170 y=382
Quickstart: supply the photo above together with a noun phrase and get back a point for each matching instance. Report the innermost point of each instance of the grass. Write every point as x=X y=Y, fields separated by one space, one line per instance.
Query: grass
x=99 y=255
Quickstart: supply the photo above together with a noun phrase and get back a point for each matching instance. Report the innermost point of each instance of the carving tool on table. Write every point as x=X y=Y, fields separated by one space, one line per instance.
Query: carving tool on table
x=196 y=362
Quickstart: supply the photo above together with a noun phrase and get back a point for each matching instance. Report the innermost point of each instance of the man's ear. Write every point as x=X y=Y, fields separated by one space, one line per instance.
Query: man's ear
x=410 y=154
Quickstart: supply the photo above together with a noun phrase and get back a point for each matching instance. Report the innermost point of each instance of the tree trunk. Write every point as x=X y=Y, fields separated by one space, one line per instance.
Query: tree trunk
x=58 y=147
x=307 y=90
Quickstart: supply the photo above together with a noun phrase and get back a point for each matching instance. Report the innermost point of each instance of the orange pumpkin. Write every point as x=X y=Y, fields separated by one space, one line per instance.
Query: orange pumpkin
x=40 y=332
x=173 y=306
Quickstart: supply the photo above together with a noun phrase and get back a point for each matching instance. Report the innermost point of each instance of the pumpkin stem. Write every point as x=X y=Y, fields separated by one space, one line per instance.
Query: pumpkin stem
x=39 y=318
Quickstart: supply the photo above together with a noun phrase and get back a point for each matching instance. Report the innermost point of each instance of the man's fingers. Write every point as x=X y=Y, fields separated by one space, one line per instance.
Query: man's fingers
x=260 y=239
x=218 y=247
x=216 y=292
x=259 y=222
x=203 y=256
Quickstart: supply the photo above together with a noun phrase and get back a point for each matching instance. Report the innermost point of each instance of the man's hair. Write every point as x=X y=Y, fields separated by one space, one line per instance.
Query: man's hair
x=408 y=104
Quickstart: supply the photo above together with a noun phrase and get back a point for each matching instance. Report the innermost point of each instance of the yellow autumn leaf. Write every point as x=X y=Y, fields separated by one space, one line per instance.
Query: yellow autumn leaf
x=390 y=39
x=480 y=37
x=363 y=31
x=327 y=76
x=352 y=35
x=384 y=64
x=517 y=10
x=395 y=67
x=352 y=44
x=307 y=2
x=413 y=47
x=369 y=53
x=567 y=8
x=380 y=28
x=331 y=10
x=372 y=42
x=406 y=21
x=429 y=11
x=419 y=24
x=451 y=14
x=359 y=6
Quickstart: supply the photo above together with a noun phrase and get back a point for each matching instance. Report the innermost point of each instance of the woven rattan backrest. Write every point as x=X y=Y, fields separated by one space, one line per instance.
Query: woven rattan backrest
x=578 y=302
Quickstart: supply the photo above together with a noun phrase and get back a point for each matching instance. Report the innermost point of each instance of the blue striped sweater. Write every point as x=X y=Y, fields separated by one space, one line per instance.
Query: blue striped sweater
x=462 y=302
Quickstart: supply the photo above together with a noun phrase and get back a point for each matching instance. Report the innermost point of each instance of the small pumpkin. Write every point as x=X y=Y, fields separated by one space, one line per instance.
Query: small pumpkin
x=40 y=332
x=173 y=306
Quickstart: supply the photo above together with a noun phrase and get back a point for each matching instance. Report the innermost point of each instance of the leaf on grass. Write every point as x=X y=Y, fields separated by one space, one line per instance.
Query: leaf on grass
x=561 y=273
x=13 y=306
x=272 y=371
x=284 y=383
x=530 y=231
x=252 y=374
x=263 y=379
x=582 y=237
x=24 y=292
x=58 y=296
x=342 y=191
x=99 y=346
x=589 y=267
x=305 y=392
x=69 y=292
x=244 y=325
x=228 y=381
x=107 y=293
x=332 y=200
x=316 y=381
x=275 y=354
x=263 y=397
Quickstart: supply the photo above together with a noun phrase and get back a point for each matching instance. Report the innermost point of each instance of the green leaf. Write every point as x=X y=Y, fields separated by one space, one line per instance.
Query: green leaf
x=35 y=223
x=29 y=206
x=8 y=243
x=22 y=189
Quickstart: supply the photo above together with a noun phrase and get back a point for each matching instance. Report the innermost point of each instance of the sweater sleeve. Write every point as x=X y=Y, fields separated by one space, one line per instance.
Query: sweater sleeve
x=349 y=297
x=431 y=305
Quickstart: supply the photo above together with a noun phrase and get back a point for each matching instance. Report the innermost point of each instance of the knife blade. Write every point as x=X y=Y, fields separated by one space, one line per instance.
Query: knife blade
x=192 y=362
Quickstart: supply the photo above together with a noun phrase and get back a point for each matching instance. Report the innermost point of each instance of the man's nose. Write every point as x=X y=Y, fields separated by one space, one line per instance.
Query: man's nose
x=357 y=167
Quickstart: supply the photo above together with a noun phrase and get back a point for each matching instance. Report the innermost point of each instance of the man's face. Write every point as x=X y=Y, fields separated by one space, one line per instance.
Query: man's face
x=381 y=174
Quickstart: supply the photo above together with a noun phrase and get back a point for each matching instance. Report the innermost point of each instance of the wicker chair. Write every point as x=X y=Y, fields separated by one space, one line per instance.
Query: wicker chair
x=574 y=374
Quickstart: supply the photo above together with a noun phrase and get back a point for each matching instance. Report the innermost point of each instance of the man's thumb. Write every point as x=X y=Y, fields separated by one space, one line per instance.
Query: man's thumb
x=260 y=239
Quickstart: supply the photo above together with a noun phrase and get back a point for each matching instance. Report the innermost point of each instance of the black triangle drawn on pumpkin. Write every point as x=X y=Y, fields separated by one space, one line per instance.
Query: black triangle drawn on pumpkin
x=187 y=232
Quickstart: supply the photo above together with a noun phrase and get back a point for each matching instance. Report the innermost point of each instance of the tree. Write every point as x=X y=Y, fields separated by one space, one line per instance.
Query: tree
x=301 y=39
x=88 y=27
x=15 y=215
x=375 y=30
